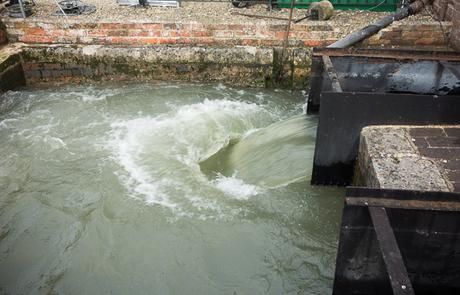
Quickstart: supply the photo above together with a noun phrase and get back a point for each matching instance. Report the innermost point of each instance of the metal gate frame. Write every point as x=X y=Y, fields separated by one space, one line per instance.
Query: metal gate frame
x=400 y=242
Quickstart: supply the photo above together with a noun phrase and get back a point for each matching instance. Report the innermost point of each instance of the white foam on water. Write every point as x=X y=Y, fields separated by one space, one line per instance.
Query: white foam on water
x=167 y=86
x=139 y=181
x=160 y=155
x=221 y=86
x=4 y=124
x=92 y=94
x=37 y=132
x=304 y=108
x=260 y=97
x=55 y=142
x=236 y=188
x=89 y=97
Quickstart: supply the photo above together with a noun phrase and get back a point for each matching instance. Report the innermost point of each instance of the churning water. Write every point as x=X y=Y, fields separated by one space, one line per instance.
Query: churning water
x=162 y=189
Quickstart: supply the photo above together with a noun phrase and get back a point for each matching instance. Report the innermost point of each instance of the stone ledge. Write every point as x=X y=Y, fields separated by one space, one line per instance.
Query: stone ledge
x=389 y=157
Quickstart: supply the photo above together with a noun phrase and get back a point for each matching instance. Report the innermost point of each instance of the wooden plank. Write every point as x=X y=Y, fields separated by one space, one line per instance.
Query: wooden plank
x=329 y=68
x=395 y=54
x=402 y=194
x=396 y=270
x=403 y=199
x=404 y=204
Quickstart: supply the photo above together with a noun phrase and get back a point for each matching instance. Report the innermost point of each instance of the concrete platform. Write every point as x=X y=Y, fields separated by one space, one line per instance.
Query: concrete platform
x=397 y=238
x=409 y=157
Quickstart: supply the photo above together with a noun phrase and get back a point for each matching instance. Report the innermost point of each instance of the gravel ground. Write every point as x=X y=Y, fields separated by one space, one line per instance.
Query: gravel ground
x=206 y=12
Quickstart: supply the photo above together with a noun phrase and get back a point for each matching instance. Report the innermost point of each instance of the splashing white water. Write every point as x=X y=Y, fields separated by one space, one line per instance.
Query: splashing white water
x=235 y=187
x=92 y=94
x=160 y=155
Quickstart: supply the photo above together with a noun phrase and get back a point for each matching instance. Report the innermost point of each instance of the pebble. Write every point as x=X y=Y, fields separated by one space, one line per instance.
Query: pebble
x=343 y=21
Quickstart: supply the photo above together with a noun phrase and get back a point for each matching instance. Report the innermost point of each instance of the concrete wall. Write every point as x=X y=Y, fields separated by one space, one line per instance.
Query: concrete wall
x=308 y=34
x=240 y=65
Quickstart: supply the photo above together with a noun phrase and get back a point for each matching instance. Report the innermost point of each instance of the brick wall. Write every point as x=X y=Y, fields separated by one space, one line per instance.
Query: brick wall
x=443 y=9
x=192 y=33
x=449 y=10
x=427 y=34
x=455 y=34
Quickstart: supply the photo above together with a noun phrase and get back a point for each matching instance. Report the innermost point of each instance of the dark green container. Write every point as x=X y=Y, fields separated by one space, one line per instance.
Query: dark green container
x=371 y=5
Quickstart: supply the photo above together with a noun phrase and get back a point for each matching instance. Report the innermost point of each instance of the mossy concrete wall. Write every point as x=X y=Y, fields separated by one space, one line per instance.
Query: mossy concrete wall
x=238 y=65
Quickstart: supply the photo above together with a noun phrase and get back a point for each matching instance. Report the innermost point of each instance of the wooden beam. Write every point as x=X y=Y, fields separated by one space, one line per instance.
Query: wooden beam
x=329 y=68
x=396 y=270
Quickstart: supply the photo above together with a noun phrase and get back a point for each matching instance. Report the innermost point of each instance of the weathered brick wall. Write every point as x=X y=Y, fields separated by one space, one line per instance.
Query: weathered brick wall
x=416 y=34
x=449 y=10
x=192 y=33
x=443 y=9
x=455 y=34
x=308 y=34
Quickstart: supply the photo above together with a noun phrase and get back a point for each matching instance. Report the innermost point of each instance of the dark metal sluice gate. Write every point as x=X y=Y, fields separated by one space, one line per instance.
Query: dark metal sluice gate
x=382 y=71
x=354 y=88
x=399 y=242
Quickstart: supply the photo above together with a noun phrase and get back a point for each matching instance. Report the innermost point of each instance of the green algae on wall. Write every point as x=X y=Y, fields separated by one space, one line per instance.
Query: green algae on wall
x=239 y=65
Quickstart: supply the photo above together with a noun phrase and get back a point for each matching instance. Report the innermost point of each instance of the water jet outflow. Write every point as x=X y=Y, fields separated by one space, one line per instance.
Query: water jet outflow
x=269 y=157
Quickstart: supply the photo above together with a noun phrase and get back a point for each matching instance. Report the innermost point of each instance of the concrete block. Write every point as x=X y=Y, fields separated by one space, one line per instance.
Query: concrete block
x=389 y=159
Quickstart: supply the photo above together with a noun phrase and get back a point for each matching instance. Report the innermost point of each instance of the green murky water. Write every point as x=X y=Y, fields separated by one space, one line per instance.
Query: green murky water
x=162 y=189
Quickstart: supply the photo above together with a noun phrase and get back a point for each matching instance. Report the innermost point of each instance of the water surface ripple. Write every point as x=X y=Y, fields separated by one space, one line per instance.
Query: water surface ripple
x=162 y=189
